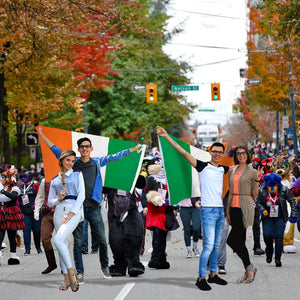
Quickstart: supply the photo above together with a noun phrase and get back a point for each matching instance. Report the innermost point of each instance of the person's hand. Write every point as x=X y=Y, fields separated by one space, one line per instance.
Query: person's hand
x=62 y=194
x=228 y=219
x=259 y=174
x=67 y=217
x=161 y=131
x=136 y=148
x=36 y=216
x=198 y=204
x=145 y=211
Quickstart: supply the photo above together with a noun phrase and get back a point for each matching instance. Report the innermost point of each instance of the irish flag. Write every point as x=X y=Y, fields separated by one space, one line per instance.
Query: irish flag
x=183 y=180
x=121 y=174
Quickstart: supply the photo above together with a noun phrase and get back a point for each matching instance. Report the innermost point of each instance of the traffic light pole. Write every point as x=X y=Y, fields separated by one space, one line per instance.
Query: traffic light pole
x=293 y=116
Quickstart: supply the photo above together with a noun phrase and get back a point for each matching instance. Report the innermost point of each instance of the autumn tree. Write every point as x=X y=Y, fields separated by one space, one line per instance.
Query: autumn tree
x=48 y=61
x=273 y=47
x=119 y=109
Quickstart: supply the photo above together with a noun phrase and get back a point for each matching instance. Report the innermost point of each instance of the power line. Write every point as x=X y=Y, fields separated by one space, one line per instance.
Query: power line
x=205 y=14
x=177 y=68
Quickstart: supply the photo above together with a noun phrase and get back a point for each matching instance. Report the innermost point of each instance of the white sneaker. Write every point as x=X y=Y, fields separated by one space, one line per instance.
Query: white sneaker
x=196 y=252
x=189 y=254
x=80 y=278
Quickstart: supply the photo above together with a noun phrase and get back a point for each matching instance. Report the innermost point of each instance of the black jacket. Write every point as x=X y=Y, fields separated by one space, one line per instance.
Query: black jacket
x=284 y=195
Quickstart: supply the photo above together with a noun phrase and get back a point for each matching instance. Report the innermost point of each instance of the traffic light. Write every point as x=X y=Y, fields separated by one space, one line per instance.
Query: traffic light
x=234 y=108
x=215 y=91
x=151 y=93
x=298 y=127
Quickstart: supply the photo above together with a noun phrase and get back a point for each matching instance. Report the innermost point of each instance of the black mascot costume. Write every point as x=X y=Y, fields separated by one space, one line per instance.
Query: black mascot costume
x=125 y=231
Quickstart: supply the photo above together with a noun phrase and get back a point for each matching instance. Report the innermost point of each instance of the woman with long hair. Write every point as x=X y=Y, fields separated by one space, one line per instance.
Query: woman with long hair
x=67 y=193
x=243 y=189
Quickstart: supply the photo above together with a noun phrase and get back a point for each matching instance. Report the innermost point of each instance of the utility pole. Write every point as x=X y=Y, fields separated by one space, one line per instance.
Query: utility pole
x=293 y=115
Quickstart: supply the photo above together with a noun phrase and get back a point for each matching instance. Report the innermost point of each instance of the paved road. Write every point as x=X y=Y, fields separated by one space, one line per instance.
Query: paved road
x=25 y=281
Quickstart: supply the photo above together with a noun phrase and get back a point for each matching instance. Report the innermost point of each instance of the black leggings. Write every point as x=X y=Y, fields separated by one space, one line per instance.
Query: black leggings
x=11 y=237
x=237 y=236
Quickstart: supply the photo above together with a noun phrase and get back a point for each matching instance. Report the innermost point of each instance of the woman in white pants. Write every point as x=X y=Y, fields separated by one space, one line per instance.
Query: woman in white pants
x=67 y=193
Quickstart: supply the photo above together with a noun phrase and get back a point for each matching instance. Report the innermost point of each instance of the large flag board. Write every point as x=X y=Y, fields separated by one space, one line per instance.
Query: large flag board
x=121 y=174
x=183 y=180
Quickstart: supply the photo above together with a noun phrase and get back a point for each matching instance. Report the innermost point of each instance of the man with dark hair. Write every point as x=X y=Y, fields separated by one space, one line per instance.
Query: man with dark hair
x=212 y=212
x=90 y=168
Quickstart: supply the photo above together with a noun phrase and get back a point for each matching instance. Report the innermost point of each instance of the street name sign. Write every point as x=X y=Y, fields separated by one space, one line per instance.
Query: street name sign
x=254 y=81
x=184 y=88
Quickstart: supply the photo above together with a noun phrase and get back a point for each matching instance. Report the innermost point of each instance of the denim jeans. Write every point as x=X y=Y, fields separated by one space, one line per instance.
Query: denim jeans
x=35 y=226
x=188 y=214
x=212 y=220
x=85 y=243
x=273 y=228
x=94 y=217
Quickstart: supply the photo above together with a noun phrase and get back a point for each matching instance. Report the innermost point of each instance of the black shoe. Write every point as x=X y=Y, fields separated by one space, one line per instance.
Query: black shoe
x=94 y=251
x=39 y=250
x=84 y=251
x=115 y=271
x=202 y=284
x=278 y=263
x=158 y=264
x=49 y=269
x=259 y=251
x=27 y=252
x=216 y=279
x=269 y=259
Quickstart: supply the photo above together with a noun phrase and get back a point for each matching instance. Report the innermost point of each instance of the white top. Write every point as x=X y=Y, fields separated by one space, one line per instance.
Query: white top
x=74 y=187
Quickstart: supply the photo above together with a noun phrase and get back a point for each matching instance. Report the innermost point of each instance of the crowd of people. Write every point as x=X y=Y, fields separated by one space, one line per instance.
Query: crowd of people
x=258 y=192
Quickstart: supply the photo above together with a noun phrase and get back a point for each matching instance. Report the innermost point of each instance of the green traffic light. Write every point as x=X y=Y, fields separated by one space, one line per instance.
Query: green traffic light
x=142 y=138
x=151 y=98
x=216 y=97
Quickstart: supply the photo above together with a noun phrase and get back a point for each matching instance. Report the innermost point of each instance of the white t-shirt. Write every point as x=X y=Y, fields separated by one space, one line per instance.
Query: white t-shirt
x=211 y=183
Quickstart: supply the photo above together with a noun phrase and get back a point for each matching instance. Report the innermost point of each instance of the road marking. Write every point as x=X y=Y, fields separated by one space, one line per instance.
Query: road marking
x=125 y=290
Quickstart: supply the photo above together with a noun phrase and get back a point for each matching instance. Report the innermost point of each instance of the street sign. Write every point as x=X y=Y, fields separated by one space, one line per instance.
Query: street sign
x=242 y=73
x=184 y=88
x=32 y=139
x=32 y=152
x=254 y=81
x=285 y=122
x=141 y=87
x=212 y=110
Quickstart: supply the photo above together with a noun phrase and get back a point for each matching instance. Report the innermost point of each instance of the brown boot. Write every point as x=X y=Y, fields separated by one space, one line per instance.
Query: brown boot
x=51 y=261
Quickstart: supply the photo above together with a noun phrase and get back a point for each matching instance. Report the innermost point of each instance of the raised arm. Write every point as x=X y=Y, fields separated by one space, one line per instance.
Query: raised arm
x=44 y=138
x=191 y=159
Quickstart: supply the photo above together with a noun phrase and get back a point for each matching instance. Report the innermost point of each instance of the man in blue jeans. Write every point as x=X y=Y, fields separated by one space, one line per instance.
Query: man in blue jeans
x=90 y=168
x=212 y=212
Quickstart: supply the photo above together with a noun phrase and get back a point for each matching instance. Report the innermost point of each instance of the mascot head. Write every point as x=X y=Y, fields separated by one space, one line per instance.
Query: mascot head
x=281 y=166
x=8 y=178
x=272 y=182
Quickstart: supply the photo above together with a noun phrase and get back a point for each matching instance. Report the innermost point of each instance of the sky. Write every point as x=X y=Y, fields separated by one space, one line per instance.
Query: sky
x=213 y=23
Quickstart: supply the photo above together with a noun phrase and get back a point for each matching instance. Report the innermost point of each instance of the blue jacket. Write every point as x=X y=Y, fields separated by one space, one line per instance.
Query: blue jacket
x=100 y=162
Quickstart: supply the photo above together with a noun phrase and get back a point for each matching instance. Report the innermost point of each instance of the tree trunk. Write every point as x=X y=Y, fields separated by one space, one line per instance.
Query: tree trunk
x=4 y=140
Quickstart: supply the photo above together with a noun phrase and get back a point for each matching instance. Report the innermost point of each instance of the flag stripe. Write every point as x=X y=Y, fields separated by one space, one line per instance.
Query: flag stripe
x=124 y=171
x=183 y=180
x=178 y=171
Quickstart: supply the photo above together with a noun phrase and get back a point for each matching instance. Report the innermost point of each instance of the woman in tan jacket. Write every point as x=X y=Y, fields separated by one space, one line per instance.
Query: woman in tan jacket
x=243 y=184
